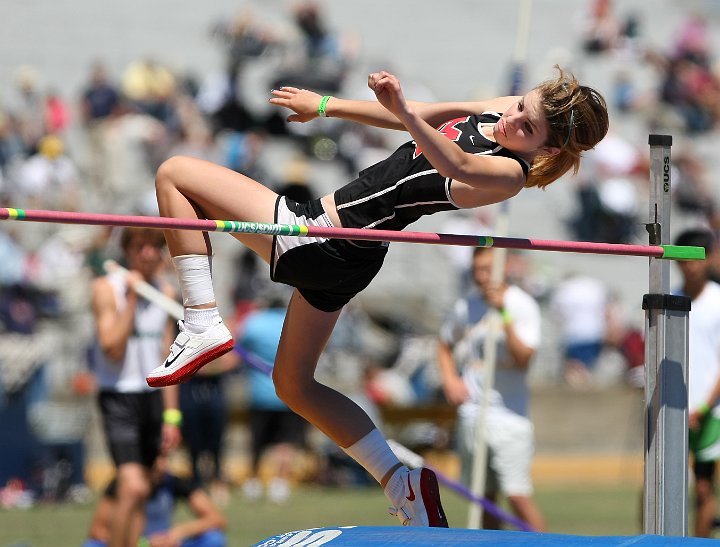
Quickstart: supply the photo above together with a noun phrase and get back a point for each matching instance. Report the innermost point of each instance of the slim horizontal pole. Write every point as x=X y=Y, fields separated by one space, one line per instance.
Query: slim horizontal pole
x=232 y=226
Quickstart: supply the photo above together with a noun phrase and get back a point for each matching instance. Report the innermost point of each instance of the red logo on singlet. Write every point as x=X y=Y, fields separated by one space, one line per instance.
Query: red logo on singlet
x=449 y=129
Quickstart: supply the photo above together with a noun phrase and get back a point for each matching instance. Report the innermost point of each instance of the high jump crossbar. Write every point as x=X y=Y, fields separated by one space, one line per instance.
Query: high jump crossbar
x=671 y=252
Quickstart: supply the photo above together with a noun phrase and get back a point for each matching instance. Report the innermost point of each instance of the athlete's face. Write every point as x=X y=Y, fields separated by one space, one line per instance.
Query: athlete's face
x=482 y=268
x=144 y=256
x=696 y=272
x=523 y=127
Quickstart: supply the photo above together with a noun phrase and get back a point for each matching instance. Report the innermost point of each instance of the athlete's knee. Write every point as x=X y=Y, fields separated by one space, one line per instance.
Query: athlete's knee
x=283 y=388
x=168 y=171
x=704 y=490
x=133 y=489
x=290 y=391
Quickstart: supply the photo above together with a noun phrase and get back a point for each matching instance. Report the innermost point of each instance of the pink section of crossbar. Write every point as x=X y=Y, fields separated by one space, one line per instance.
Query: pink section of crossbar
x=99 y=219
x=655 y=251
x=65 y=217
x=500 y=242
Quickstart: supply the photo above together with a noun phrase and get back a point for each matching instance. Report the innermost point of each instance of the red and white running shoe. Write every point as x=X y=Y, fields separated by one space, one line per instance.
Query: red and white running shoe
x=421 y=506
x=190 y=352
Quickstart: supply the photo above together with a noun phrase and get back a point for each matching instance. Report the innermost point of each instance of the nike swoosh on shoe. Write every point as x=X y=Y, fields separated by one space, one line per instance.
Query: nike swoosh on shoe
x=411 y=497
x=169 y=361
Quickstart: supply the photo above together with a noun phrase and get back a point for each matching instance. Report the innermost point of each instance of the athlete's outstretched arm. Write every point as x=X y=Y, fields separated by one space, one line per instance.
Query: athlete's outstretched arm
x=493 y=178
x=304 y=104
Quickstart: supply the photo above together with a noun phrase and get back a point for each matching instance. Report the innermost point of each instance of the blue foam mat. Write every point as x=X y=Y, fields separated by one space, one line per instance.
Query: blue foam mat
x=377 y=536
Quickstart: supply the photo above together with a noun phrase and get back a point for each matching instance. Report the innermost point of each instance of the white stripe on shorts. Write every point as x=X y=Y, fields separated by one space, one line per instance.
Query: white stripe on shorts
x=286 y=216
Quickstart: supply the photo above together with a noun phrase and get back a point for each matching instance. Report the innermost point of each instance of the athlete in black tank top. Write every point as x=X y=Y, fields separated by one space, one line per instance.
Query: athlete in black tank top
x=548 y=128
x=399 y=190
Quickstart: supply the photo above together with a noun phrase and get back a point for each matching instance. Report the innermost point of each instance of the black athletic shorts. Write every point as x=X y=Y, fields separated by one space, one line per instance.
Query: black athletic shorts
x=133 y=425
x=269 y=427
x=327 y=272
x=704 y=470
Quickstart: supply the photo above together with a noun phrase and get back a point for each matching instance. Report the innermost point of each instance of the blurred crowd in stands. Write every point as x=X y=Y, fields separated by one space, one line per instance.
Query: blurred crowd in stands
x=97 y=151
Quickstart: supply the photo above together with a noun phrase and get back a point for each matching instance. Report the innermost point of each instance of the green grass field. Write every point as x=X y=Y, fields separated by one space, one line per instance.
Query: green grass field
x=568 y=510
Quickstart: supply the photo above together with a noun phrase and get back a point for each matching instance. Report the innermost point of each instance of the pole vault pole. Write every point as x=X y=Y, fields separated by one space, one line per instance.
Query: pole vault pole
x=497 y=276
x=665 y=504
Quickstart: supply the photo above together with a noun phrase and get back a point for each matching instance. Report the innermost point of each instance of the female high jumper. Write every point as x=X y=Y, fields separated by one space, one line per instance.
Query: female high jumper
x=462 y=155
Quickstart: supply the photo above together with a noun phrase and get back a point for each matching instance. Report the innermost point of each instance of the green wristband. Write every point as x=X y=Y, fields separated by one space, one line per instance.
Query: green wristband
x=703 y=409
x=323 y=104
x=506 y=317
x=172 y=416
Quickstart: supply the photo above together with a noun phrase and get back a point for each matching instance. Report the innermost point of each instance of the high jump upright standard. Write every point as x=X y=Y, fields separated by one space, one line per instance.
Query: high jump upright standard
x=665 y=502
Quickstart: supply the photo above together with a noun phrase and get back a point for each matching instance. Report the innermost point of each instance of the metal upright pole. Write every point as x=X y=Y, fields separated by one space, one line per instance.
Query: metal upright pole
x=666 y=373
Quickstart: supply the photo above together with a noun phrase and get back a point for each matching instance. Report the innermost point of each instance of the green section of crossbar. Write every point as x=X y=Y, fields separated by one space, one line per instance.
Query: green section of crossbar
x=683 y=252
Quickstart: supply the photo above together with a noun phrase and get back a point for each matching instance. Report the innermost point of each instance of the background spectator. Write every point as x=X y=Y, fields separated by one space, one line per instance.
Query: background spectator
x=276 y=431
x=508 y=432
x=204 y=528
x=139 y=422
x=704 y=375
x=581 y=305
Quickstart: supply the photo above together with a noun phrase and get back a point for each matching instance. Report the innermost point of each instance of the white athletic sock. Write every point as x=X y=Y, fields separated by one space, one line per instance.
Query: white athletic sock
x=195 y=279
x=198 y=321
x=375 y=455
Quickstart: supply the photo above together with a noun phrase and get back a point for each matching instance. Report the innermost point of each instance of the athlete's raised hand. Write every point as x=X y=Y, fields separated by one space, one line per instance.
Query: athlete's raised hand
x=387 y=89
x=303 y=102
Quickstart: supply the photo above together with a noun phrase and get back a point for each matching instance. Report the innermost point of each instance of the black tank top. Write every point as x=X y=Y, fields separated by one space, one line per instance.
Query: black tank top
x=399 y=190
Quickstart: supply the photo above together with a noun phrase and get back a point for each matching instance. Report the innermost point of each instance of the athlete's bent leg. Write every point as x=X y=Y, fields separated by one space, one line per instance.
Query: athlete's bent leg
x=305 y=333
x=192 y=188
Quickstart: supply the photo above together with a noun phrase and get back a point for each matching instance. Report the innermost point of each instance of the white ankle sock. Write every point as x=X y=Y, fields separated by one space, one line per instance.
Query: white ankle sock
x=375 y=455
x=198 y=321
x=195 y=279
